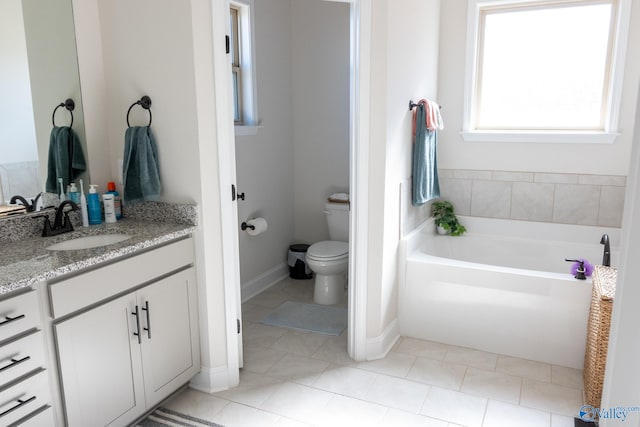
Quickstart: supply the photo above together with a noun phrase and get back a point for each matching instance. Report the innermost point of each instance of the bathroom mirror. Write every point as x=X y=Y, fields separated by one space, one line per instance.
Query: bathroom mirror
x=38 y=71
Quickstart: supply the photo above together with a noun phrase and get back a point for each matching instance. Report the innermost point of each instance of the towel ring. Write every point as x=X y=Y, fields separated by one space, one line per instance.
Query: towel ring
x=144 y=102
x=69 y=105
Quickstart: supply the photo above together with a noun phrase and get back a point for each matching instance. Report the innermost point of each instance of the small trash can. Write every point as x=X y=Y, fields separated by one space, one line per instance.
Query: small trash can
x=298 y=268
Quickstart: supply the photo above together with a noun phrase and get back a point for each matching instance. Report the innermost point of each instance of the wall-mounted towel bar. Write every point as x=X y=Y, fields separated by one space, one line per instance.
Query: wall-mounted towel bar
x=412 y=105
x=144 y=102
x=69 y=105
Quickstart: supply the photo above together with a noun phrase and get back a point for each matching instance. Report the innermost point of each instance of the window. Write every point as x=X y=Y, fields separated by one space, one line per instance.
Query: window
x=242 y=67
x=235 y=64
x=544 y=70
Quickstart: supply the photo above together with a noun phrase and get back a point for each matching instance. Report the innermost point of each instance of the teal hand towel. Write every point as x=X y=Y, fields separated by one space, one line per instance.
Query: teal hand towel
x=425 y=183
x=66 y=158
x=141 y=171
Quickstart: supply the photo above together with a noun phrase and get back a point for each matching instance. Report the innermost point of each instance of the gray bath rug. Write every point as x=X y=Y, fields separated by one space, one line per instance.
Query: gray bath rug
x=324 y=319
x=166 y=417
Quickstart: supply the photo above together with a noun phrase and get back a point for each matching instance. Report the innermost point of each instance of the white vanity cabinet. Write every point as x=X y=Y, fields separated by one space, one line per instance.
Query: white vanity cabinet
x=126 y=335
x=24 y=383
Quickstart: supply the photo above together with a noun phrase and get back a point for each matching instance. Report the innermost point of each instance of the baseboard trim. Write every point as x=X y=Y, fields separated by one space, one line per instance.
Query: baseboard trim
x=378 y=347
x=264 y=281
x=211 y=380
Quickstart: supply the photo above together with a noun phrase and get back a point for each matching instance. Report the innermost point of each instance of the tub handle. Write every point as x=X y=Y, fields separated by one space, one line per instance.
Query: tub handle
x=580 y=272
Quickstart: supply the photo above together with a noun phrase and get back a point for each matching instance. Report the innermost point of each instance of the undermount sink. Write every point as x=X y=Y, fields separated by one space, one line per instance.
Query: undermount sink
x=89 y=242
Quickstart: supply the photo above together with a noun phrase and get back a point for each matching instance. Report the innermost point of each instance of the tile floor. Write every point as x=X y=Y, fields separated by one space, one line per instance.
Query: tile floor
x=293 y=378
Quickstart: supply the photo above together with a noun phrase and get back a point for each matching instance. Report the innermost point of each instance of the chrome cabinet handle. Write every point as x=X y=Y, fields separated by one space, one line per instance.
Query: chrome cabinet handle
x=137 y=333
x=15 y=362
x=11 y=319
x=20 y=403
x=148 y=328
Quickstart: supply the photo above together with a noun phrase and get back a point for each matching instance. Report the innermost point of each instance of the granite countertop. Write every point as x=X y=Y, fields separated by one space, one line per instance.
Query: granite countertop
x=26 y=262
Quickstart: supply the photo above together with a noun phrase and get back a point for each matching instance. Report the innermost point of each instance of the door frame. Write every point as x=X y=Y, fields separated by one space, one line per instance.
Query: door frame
x=360 y=81
x=360 y=53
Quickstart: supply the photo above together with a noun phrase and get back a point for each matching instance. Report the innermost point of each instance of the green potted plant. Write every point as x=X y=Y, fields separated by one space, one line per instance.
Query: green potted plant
x=445 y=219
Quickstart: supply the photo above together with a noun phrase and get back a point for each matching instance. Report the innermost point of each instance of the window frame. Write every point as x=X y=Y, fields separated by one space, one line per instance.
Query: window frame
x=244 y=68
x=621 y=12
x=236 y=71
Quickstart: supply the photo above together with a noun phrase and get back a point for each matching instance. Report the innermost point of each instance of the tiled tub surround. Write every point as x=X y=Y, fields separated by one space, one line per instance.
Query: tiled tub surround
x=580 y=199
x=21 y=178
x=27 y=261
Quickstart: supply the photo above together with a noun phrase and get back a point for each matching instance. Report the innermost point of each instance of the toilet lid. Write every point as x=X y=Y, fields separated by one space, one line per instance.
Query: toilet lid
x=328 y=249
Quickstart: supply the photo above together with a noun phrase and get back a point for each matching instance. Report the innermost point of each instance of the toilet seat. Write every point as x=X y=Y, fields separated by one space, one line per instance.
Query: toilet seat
x=328 y=250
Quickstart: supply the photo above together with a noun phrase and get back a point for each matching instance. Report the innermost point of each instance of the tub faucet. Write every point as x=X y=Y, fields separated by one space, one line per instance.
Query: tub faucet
x=30 y=207
x=606 y=257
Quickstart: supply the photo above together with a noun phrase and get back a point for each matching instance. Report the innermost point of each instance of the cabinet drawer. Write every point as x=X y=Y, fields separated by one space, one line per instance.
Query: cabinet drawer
x=21 y=399
x=89 y=288
x=43 y=418
x=21 y=356
x=18 y=314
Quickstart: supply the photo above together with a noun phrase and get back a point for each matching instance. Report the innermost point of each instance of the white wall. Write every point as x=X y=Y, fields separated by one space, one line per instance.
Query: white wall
x=264 y=162
x=454 y=153
x=320 y=81
x=141 y=56
x=404 y=66
x=18 y=143
x=147 y=59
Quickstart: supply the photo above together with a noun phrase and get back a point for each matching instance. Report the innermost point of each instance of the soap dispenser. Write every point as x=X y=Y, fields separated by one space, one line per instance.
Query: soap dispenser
x=93 y=203
x=73 y=193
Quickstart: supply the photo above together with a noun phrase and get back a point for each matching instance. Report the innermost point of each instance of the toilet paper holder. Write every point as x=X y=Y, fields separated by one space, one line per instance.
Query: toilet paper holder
x=244 y=226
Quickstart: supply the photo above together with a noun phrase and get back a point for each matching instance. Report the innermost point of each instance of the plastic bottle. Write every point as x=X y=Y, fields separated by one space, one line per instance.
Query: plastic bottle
x=109 y=208
x=73 y=193
x=117 y=202
x=83 y=206
x=93 y=203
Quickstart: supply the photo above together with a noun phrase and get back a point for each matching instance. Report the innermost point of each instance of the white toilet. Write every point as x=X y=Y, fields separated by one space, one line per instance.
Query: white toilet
x=329 y=259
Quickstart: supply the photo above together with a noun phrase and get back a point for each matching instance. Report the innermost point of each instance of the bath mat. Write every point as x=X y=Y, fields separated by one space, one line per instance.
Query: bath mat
x=166 y=417
x=309 y=317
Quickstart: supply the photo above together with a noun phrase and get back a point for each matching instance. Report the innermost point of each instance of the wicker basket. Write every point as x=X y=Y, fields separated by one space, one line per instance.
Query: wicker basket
x=595 y=357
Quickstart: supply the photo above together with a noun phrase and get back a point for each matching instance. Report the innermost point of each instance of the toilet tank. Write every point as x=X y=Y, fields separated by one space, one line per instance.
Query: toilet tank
x=338 y=221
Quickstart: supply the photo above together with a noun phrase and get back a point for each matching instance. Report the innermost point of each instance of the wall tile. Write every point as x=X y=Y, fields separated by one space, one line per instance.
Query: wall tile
x=445 y=173
x=513 y=176
x=612 y=180
x=533 y=196
x=576 y=204
x=532 y=201
x=491 y=199
x=458 y=192
x=556 y=178
x=611 y=206
x=471 y=174
x=21 y=178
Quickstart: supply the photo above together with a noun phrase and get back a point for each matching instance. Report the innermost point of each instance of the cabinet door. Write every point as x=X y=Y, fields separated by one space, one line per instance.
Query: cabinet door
x=170 y=342
x=100 y=365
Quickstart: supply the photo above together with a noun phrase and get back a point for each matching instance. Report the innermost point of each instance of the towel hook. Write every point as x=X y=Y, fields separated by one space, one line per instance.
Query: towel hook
x=69 y=105
x=144 y=102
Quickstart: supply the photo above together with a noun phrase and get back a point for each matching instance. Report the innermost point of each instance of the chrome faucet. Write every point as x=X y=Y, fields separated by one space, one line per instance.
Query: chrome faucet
x=606 y=257
x=59 y=226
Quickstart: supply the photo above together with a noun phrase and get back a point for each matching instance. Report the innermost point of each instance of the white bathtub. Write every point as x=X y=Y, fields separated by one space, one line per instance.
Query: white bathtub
x=503 y=287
